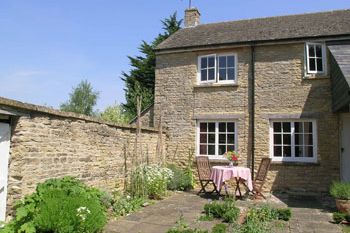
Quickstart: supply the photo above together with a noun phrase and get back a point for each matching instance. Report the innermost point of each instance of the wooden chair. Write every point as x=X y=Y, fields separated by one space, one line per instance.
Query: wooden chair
x=260 y=177
x=204 y=171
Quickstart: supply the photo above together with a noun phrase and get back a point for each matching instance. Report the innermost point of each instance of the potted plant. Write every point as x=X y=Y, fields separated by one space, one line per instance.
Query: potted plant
x=232 y=156
x=341 y=192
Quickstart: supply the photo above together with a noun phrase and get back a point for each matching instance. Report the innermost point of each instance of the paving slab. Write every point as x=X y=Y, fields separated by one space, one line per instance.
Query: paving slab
x=308 y=215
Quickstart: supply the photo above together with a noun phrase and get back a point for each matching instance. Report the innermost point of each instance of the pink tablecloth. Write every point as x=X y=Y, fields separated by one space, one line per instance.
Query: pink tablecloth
x=219 y=174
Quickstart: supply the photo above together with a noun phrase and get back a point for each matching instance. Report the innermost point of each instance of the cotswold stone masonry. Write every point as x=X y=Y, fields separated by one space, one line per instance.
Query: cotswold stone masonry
x=46 y=144
x=281 y=90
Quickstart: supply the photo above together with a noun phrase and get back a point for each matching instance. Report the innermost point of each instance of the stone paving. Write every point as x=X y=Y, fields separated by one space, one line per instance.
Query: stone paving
x=308 y=215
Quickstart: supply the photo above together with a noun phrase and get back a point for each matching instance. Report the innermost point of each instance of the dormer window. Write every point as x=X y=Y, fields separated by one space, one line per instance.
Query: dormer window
x=217 y=68
x=315 y=58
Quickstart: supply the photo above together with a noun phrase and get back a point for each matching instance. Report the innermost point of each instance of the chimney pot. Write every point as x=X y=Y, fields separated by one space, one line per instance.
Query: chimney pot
x=192 y=17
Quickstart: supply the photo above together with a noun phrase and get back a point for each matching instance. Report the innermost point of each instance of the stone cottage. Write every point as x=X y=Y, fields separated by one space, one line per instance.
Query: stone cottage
x=273 y=87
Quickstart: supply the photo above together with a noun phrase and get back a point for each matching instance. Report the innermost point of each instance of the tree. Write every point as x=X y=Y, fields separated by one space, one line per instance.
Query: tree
x=116 y=114
x=82 y=99
x=141 y=78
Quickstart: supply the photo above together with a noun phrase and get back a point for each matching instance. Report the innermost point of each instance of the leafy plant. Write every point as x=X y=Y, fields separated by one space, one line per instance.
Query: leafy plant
x=225 y=210
x=340 y=190
x=182 y=227
x=284 y=214
x=182 y=179
x=124 y=204
x=150 y=181
x=338 y=217
x=219 y=228
x=52 y=207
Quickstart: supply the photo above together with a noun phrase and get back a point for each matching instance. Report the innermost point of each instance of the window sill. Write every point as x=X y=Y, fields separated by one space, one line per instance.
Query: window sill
x=290 y=163
x=315 y=76
x=215 y=85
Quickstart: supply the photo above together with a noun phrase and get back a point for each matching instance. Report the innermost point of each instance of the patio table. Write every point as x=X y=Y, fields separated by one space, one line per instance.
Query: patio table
x=220 y=174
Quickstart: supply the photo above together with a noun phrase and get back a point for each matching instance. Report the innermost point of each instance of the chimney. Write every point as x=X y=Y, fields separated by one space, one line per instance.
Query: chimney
x=192 y=17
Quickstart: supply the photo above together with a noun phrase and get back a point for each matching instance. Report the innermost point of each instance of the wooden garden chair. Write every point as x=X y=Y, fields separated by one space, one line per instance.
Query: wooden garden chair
x=204 y=171
x=260 y=177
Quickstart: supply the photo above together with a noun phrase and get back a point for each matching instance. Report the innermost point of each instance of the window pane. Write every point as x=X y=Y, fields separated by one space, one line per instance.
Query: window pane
x=204 y=62
x=211 y=127
x=211 y=74
x=277 y=139
x=312 y=64
x=231 y=138
x=299 y=139
x=230 y=61
x=222 y=74
x=230 y=147
x=299 y=151
x=203 y=149
x=319 y=64
x=222 y=138
x=286 y=139
x=308 y=127
x=222 y=62
x=231 y=74
x=309 y=152
x=287 y=151
x=308 y=139
x=203 y=127
x=203 y=75
x=277 y=127
x=298 y=126
x=222 y=149
x=203 y=138
x=211 y=61
x=318 y=51
x=277 y=151
x=211 y=149
x=230 y=127
x=222 y=127
x=286 y=127
x=311 y=50
x=211 y=138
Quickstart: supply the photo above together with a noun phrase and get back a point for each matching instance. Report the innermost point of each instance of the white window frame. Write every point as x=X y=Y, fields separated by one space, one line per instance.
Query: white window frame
x=324 y=57
x=293 y=158
x=216 y=79
x=216 y=121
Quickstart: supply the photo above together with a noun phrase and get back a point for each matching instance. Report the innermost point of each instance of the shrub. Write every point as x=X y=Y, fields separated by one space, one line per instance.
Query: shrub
x=182 y=179
x=219 y=228
x=284 y=214
x=124 y=204
x=339 y=217
x=225 y=210
x=340 y=190
x=54 y=208
x=150 y=181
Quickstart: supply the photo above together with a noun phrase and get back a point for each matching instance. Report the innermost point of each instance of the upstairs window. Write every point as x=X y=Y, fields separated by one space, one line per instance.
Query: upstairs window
x=315 y=58
x=217 y=68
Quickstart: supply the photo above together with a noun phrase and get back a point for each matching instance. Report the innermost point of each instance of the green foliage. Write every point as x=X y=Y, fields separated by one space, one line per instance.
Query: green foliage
x=225 y=210
x=182 y=179
x=182 y=227
x=140 y=80
x=284 y=214
x=82 y=99
x=115 y=114
x=54 y=207
x=150 y=181
x=340 y=190
x=125 y=204
x=338 y=217
x=206 y=218
x=219 y=228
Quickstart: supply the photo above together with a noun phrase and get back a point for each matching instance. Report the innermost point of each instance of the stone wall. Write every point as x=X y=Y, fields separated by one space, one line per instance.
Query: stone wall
x=47 y=144
x=281 y=89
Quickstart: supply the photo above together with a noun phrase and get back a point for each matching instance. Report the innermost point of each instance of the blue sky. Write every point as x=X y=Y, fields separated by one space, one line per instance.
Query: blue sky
x=47 y=46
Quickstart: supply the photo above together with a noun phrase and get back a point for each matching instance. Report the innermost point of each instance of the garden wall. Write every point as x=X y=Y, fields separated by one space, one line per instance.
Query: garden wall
x=46 y=143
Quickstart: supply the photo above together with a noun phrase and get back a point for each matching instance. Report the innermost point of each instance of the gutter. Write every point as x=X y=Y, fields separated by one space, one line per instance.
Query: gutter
x=251 y=106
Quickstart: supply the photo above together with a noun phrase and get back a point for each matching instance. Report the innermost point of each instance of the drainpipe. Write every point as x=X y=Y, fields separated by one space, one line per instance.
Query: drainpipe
x=251 y=104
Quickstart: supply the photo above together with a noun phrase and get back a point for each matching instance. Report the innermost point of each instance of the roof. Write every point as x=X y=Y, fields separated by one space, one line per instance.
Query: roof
x=341 y=54
x=323 y=24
